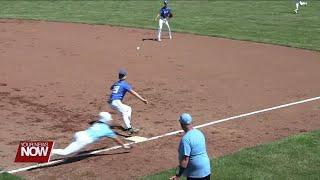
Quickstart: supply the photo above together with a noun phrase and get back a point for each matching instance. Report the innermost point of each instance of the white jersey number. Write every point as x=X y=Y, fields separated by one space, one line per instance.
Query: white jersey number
x=115 y=89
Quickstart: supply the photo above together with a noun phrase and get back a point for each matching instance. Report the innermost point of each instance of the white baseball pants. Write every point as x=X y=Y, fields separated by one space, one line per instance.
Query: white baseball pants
x=161 y=22
x=80 y=140
x=125 y=111
x=300 y=3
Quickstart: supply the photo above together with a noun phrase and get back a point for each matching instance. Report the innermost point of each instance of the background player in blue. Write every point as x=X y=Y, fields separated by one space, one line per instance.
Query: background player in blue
x=96 y=131
x=299 y=3
x=164 y=14
x=118 y=91
x=193 y=158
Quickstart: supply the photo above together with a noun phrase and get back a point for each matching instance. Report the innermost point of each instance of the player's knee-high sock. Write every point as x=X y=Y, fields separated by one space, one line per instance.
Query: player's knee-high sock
x=297 y=6
x=159 y=33
x=160 y=28
x=169 y=30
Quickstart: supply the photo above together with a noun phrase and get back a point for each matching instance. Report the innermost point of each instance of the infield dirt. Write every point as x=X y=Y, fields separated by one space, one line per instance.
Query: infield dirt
x=55 y=78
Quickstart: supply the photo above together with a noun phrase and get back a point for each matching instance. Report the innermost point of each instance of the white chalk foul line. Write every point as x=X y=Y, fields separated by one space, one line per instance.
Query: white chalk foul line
x=167 y=134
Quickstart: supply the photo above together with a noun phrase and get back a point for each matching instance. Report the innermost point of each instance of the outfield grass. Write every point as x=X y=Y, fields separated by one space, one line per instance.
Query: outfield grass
x=254 y=20
x=295 y=157
x=7 y=176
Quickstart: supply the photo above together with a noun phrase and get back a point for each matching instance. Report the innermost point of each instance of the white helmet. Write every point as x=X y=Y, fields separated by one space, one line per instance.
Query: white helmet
x=105 y=117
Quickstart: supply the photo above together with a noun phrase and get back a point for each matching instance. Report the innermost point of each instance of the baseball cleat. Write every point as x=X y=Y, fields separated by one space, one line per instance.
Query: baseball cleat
x=296 y=11
x=132 y=130
x=159 y=40
x=170 y=37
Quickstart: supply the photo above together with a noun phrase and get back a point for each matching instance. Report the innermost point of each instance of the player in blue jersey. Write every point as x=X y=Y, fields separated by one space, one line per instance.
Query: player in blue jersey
x=164 y=16
x=300 y=3
x=95 y=132
x=193 y=158
x=118 y=91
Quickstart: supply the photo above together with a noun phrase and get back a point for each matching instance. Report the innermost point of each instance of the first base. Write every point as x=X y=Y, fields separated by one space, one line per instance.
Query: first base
x=136 y=139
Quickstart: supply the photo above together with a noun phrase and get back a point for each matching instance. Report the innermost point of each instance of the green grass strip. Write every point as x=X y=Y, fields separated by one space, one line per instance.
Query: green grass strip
x=7 y=176
x=295 y=157
x=262 y=21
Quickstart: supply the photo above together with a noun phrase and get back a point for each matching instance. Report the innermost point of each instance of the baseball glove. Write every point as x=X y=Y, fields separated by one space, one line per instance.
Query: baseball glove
x=170 y=15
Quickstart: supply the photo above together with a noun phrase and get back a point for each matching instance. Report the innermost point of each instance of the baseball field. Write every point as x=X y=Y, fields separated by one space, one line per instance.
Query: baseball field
x=248 y=68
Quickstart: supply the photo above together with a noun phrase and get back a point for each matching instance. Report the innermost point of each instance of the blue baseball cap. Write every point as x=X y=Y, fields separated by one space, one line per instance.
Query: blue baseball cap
x=185 y=118
x=122 y=72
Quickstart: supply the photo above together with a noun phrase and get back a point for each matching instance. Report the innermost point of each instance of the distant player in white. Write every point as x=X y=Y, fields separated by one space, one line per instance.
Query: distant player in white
x=95 y=132
x=300 y=3
x=165 y=15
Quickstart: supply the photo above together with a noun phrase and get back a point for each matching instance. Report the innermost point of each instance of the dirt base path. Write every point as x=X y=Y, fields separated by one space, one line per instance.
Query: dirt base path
x=55 y=78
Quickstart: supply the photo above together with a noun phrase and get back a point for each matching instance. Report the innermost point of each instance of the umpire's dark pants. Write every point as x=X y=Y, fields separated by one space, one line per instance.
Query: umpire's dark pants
x=203 y=178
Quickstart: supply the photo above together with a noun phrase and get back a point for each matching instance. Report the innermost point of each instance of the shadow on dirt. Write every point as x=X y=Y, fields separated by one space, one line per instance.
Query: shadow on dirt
x=149 y=39
x=79 y=157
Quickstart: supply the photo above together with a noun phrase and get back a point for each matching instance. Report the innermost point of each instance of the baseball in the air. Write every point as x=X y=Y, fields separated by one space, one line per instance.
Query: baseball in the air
x=138 y=47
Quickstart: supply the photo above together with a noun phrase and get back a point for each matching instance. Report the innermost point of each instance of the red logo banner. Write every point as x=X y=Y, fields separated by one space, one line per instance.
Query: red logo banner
x=34 y=151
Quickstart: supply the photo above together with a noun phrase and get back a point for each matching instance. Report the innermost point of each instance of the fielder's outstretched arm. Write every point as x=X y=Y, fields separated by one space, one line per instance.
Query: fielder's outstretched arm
x=138 y=96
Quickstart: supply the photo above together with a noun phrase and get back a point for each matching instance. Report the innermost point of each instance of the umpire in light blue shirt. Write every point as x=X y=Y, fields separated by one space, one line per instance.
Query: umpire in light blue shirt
x=194 y=162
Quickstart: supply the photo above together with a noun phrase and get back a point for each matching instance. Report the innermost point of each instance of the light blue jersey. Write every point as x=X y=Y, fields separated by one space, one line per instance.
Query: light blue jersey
x=193 y=145
x=99 y=130
x=119 y=90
